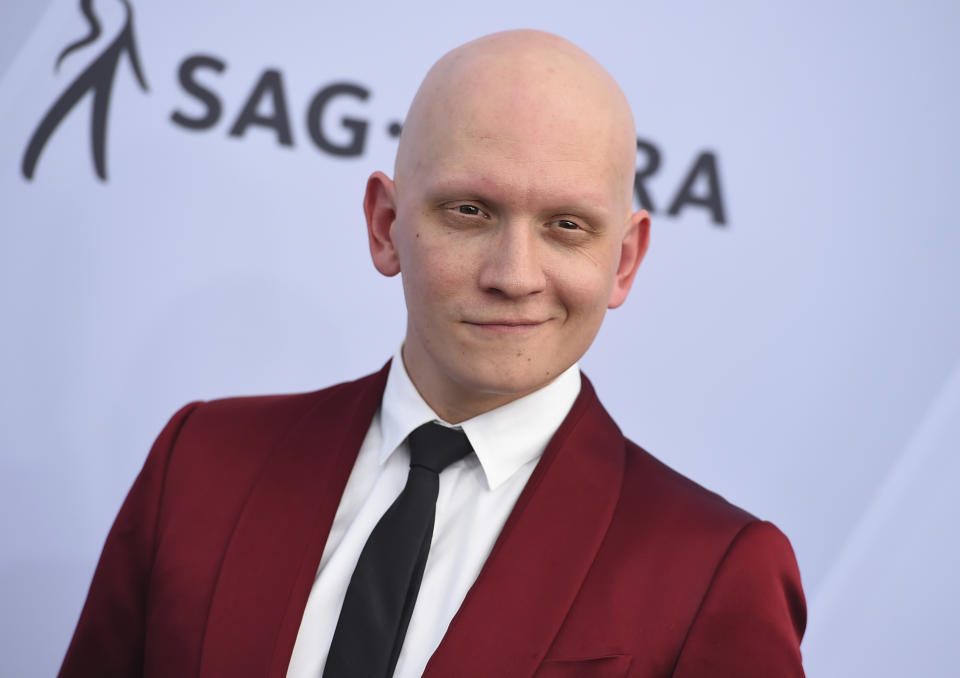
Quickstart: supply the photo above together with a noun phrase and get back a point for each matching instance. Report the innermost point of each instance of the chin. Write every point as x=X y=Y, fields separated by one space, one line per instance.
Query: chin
x=508 y=378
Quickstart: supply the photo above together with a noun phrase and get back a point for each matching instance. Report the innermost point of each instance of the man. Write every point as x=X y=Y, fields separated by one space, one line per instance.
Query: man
x=252 y=543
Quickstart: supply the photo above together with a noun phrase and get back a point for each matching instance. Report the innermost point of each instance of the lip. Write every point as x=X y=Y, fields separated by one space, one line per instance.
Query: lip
x=505 y=325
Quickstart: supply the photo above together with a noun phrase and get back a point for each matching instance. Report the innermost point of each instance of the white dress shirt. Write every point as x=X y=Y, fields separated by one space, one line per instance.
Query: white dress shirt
x=477 y=494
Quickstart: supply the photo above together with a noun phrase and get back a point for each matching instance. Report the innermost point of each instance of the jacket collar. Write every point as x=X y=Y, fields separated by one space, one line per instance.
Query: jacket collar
x=513 y=611
x=272 y=557
x=523 y=593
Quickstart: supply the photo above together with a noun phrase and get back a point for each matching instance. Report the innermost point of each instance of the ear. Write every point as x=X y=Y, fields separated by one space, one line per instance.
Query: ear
x=380 y=208
x=633 y=248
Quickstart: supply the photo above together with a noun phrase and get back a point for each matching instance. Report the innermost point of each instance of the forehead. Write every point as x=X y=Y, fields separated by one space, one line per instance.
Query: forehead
x=500 y=170
x=534 y=121
x=523 y=153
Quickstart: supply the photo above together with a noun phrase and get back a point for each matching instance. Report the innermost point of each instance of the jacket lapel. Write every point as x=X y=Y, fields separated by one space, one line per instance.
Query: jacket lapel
x=272 y=558
x=515 y=608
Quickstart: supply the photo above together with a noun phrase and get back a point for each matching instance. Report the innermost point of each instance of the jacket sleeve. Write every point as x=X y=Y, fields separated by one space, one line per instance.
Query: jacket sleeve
x=109 y=638
x=753 y=615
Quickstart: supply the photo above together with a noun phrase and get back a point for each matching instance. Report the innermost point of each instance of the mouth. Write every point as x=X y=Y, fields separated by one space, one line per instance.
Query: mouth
x=505 y=325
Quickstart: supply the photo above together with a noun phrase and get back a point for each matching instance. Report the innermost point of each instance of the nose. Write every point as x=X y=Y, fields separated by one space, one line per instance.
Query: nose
x=512 y=265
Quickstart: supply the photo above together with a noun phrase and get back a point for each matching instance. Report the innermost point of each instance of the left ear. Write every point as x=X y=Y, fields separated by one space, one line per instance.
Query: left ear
x=380 y=208
x=633 y=247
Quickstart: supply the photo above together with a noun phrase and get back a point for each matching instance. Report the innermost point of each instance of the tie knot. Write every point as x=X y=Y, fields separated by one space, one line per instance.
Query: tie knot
x=435 y=446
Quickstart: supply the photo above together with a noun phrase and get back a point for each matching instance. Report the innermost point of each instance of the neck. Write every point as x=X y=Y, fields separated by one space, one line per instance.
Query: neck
x=453 y=402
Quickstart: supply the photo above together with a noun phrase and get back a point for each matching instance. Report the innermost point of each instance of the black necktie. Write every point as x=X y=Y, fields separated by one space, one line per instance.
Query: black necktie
x=384 y=585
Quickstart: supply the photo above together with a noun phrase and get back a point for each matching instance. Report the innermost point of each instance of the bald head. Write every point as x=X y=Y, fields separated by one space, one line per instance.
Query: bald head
x=510 y=218
x=533 y=93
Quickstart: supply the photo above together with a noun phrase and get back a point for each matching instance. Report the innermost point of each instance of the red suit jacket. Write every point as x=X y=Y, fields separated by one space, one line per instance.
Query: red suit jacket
x=611 y=564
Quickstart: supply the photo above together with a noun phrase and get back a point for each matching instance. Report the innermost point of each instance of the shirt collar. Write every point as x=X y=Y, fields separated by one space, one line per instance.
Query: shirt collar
x=504 y=439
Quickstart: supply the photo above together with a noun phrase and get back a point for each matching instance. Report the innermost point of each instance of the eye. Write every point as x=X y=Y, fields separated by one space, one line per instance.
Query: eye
x=471 y=210
x=568 y=225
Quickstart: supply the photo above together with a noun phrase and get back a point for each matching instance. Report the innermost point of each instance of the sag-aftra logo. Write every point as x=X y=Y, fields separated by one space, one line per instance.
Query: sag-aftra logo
x=97 y=80
x=266 y=110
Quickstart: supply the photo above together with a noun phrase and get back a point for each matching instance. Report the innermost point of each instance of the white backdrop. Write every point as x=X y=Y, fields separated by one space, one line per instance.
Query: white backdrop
x=802 y=357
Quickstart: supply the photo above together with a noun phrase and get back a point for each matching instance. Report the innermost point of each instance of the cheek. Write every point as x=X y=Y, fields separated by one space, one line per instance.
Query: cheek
x=434 y=272
x=584 y=290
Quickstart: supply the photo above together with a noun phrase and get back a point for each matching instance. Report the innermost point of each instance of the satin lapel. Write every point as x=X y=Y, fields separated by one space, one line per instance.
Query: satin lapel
x=515 y=608
x=273 y=555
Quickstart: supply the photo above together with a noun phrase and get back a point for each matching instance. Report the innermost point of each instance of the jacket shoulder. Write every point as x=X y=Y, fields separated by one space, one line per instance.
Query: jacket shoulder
x=243 y=415
x=222 y=444
x=677 y=495
x=715 y=576
x=249 y=423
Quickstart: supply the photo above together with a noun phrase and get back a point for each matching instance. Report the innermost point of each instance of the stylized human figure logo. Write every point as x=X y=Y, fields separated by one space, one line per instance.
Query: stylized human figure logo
x=96 y=78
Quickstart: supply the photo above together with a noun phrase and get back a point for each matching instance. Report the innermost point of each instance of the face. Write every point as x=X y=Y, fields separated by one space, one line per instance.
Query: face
x=512 y=239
